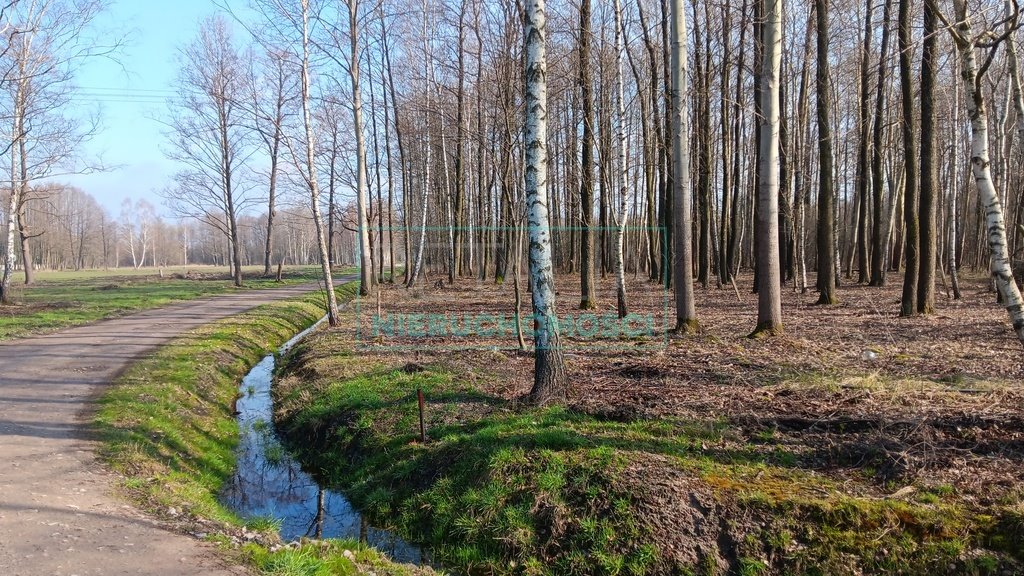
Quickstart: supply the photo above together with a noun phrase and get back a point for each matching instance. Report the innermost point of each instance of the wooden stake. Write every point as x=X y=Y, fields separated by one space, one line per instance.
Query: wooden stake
x=423 y=430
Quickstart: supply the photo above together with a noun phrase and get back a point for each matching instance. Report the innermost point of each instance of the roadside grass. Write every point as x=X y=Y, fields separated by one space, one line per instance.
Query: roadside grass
x=166 y=426
x=503 y=489
x=60 y=299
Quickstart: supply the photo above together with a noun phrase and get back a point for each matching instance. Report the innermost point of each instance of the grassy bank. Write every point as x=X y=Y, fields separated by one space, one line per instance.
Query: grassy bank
x=61 y=299
x=167 y=427
x=501 y=489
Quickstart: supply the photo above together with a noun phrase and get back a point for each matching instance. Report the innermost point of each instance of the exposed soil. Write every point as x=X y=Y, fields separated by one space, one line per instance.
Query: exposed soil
x=852 y=391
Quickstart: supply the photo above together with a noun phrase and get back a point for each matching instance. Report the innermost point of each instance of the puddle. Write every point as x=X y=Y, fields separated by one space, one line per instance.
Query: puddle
x=269 y=483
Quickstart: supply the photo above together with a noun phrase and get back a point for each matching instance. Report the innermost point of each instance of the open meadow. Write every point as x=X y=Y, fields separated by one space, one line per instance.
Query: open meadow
x=58 y=299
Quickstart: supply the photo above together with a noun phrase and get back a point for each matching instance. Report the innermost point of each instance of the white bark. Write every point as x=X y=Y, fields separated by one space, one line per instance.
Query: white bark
x=1002 y=272
x=549 y=369
x=620 y=163
x=9 y=254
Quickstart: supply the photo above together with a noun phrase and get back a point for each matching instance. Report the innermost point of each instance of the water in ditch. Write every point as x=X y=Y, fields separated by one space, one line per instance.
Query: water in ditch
x=269 y=483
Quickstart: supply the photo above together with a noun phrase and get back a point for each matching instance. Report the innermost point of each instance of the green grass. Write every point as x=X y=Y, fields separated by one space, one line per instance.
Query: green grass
x=499 y=490
x=64 y=298
x=167 y=428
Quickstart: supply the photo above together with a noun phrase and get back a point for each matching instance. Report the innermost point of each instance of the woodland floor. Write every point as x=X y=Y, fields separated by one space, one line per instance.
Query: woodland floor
x=931 y=398
x=927 y=410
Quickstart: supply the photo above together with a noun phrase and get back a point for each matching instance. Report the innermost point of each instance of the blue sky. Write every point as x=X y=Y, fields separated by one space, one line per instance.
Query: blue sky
x=132 y=91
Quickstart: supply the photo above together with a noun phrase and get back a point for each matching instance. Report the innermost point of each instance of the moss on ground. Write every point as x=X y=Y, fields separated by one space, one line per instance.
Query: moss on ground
x=503 y=489
x=167 y=427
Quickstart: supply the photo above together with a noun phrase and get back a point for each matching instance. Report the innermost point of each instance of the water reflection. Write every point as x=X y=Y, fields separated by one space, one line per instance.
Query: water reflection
x=269 y=483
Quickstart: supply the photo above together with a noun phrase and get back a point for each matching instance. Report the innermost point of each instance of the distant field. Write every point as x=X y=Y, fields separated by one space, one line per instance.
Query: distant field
x=67 y=298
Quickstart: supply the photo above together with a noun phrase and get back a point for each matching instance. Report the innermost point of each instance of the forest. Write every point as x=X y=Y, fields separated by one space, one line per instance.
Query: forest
x=644 y=286
x=884 y=125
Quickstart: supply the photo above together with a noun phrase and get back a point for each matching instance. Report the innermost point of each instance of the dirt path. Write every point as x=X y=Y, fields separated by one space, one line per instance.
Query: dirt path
x=58 y=515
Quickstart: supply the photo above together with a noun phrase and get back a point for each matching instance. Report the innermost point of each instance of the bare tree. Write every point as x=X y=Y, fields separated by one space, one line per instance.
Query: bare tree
x=972 y=75
x=911 y=196
x=46 y=42
x=549 y=381
x=769 y=293
x=272 y=94
x=309 y=169
x=826 y=186
x=209 y=135
x=137 y=221
x=366 y=273
x=620 y=172
x=682 y=194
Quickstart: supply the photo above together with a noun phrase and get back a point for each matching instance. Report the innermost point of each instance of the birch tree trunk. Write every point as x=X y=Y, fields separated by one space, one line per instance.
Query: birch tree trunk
x=769 y=293
x=9 y=254
x=549 y=380
x=14 y=204
x=459 y=199
x=682 y=194
x=995 y=224
x=620 y=164
x=310 y=175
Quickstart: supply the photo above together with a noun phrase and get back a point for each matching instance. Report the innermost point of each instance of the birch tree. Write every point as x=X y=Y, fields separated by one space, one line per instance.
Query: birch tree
x=620 y=164
x=417 y=264
x=549 y=380
x=972 y=76
x=1013 y=66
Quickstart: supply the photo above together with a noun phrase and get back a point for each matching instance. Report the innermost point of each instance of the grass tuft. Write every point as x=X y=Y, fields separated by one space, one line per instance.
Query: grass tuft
x=501 y=489
x=167 y=427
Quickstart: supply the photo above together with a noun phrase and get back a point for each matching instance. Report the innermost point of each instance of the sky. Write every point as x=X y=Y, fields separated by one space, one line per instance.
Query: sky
x=131 y=93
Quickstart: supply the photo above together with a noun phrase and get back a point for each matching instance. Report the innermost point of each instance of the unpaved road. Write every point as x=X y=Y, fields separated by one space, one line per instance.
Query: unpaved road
x=58 y=513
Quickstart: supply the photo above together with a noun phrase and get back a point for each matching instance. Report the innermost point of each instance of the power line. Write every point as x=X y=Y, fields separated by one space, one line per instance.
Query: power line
x=107 y=88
